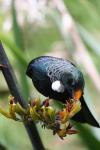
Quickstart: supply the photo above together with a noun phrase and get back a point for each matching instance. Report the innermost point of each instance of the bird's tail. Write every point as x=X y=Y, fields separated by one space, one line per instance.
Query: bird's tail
x=85 y=115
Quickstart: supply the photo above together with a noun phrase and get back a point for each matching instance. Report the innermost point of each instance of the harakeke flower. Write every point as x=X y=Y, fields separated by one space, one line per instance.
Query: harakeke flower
x=57 y=121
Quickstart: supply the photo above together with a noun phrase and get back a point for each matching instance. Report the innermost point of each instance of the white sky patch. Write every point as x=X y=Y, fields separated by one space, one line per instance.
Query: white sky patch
x=57 y=86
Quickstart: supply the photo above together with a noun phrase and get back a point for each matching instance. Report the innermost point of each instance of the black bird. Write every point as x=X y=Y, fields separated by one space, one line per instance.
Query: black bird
x=61 y=80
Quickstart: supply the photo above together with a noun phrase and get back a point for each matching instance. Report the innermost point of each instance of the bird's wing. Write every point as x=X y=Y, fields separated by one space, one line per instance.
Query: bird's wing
x=57 y=68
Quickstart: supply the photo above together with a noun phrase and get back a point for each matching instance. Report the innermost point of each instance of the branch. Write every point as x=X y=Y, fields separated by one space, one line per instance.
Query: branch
x=13 y=87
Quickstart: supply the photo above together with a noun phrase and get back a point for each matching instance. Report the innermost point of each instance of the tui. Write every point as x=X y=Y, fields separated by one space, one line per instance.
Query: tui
x=61 y=80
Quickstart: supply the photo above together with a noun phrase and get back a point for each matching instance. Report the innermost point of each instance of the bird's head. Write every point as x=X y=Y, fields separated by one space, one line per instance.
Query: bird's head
x=74 y=84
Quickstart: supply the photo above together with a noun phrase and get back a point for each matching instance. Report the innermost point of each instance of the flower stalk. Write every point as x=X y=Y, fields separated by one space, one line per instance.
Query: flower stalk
x=57 y=121
x=11 y=80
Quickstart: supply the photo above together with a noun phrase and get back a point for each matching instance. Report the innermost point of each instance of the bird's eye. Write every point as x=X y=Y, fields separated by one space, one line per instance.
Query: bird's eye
x=70 y=82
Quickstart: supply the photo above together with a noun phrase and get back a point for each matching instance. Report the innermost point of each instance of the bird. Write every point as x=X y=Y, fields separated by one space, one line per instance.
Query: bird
x=61 y=80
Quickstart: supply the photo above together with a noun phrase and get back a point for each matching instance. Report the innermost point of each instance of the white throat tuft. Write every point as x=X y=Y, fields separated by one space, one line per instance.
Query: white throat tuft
x=57 y=86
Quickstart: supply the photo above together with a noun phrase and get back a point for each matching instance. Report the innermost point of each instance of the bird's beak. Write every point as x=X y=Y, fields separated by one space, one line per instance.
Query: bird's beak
x=77 y=94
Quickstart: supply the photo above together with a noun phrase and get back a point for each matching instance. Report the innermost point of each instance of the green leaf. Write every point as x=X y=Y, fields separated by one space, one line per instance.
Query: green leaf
x=13 y=48
x=88 y=138
x=16 y=29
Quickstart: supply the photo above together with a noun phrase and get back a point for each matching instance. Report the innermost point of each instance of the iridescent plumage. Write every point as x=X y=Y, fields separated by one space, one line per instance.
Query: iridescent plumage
x=46 y=70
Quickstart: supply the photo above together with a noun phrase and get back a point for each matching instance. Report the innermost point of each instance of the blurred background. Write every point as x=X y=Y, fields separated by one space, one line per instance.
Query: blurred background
x=69 y=29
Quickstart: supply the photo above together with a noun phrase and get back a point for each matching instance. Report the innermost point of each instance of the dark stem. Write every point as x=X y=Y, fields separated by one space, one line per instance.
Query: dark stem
x=13 y=87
